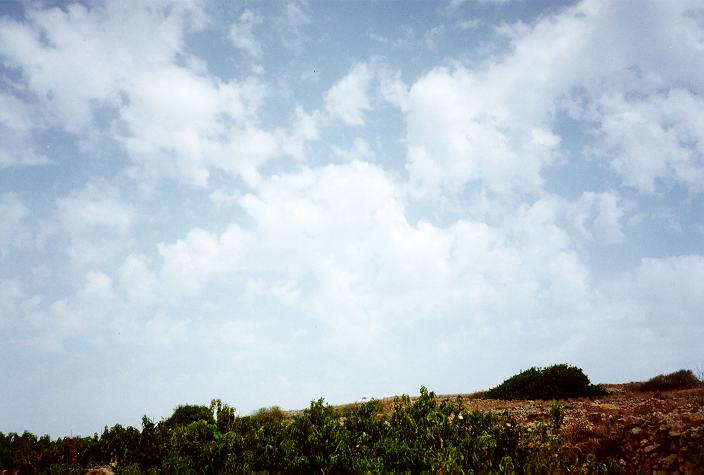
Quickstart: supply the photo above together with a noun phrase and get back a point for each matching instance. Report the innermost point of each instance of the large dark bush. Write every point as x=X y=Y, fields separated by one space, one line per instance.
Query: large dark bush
x=682 y=379
x=188 y=413
x=559 y=381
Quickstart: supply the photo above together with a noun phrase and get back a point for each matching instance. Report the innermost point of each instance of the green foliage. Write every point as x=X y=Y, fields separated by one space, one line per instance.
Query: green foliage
x=188 y=413
x=682 y=379
x=556 y=415
x=269 y=415
x=421 y=435
x=559 y=381
x=119 y=445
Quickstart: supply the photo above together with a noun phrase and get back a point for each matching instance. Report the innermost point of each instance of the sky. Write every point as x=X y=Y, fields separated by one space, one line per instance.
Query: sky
x=269 y=202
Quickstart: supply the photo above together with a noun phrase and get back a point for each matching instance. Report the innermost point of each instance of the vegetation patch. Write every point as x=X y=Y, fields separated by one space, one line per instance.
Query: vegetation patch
x=421 y=435
x=559 y=381
x=682 y=379
x=188 y=413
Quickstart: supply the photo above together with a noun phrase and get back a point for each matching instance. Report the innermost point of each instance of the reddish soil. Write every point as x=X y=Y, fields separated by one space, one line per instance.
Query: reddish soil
x=652 y=431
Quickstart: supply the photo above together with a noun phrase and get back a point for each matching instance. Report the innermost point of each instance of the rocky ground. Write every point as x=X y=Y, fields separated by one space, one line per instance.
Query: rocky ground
x=652 y=431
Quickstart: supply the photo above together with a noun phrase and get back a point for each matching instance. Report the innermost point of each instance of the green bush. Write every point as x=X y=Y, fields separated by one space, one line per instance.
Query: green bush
x=421 y=435
x=559 y=381
x=269 y=415
x=189 y=413
x=682 y=379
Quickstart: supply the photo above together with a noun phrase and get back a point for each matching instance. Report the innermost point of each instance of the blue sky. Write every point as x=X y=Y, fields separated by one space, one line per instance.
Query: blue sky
x=270 y=202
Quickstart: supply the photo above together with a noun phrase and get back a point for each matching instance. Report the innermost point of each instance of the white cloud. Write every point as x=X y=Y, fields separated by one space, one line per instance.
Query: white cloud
x=291 y=24
x=95 y=206
x=654 y=139
x=391 y=87
x=13 y=231
x=431 y=36
x=222 y=197
x=174 y=120
x=139 y=283
x=242 y=36
x=359 y=150
x=350 y=247
x=667 y=295
x=179 y=123
x=677 y=280
x=16 y=126
x=96 y=222
x=125 y=38
x=348 y=99
x=460 y=130
x=97 y=287
x=599 y=216
x=304 y=129
x=353 y=96
x=188 y=262
x=493 y=125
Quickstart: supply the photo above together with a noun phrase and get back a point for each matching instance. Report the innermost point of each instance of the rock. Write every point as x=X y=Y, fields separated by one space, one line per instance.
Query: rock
x=650 y=448
x=636 y=430
x=668 y=461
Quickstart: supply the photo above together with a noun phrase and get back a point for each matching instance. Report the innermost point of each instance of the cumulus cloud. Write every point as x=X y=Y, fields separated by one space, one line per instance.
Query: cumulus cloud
x=181 y=124
x=652 y=140
x=599 y=216
x=306 y=128
x=174 y=120
x=391 y=86
x=494 y=124
x=460 y=130
x=125 y=39
x=242 y=34
x=349 y=246
x=348 y=99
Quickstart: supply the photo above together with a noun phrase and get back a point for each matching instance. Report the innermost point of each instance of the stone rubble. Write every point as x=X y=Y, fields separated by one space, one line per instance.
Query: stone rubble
x=651 y=431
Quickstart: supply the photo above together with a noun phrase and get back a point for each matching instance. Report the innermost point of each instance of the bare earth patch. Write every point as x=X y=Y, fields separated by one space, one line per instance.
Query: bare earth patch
x=640 y=430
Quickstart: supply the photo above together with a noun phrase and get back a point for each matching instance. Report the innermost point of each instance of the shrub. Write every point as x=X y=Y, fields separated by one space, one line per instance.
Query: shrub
x=682 y=379
x=188 y=413
x=559 y=381
x=417 y=436
x=269 y=415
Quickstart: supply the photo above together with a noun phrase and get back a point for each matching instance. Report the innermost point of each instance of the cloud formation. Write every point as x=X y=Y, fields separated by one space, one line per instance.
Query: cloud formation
x=488 y=201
